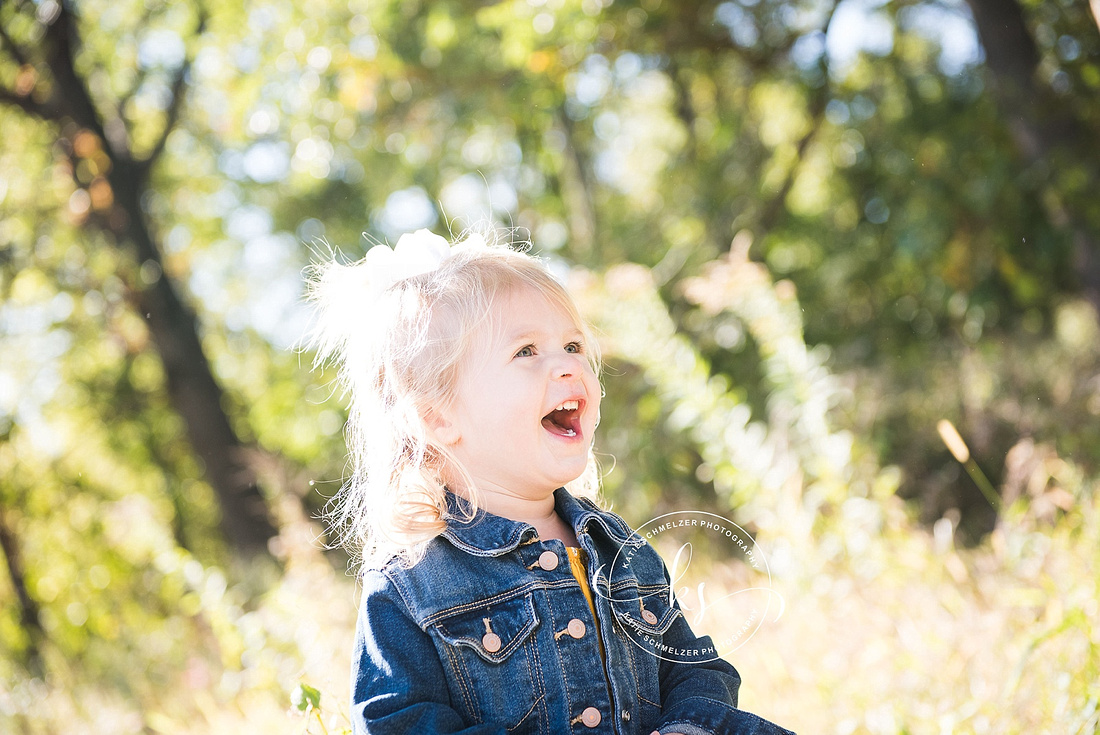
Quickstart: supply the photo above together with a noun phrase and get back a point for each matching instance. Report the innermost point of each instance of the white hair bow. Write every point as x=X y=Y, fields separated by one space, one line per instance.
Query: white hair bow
x=342 y=293
x=416 y=253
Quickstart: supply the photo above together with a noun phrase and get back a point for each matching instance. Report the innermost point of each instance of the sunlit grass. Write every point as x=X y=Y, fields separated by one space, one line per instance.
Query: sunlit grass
x=891 y=629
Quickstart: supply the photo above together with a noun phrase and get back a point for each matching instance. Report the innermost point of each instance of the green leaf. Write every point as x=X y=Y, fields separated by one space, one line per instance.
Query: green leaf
x=304 y=698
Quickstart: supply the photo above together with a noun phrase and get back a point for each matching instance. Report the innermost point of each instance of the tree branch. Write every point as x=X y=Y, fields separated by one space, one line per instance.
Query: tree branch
x=577 y=190
x=179 y=89
x=13 y=48
x=28 y=607
x=775 y=204
x=684 y=108
x=72 y=94
x=123 y=100
x=817 y=112
x=684 y=35
x=27 y=105
x=23 y=101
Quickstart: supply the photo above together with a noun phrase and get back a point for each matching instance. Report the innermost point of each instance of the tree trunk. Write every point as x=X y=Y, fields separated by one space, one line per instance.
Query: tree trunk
x=1046 y=130
x=192 y=389
x=576 y=192
x=28 y=608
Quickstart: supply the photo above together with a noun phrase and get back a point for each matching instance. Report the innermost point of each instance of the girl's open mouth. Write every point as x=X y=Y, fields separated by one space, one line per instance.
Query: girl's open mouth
x=565 y=420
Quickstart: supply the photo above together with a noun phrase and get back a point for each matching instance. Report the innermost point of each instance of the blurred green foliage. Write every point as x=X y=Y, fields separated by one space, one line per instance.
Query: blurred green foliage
x=805 y=231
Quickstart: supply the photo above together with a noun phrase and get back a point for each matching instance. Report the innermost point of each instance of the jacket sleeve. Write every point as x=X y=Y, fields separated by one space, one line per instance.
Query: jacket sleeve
x=398 y=682
x=701 y=698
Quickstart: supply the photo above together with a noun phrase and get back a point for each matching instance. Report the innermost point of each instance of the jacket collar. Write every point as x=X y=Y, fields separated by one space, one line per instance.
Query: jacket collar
x=582 y=514
x=487 y=534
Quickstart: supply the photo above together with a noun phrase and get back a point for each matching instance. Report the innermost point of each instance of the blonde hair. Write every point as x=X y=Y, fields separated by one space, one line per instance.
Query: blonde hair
x=399 y=350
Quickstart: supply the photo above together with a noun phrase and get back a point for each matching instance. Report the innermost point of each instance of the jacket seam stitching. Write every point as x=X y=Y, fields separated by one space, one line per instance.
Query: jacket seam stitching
x=462 y=675
x=501 y=597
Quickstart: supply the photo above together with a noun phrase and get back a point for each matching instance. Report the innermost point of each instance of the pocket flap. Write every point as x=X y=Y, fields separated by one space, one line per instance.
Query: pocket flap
x=643 y=610
x=511 y=623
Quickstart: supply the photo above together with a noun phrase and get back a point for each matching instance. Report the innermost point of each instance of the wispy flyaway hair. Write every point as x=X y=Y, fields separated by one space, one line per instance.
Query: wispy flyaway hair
x=399 y=327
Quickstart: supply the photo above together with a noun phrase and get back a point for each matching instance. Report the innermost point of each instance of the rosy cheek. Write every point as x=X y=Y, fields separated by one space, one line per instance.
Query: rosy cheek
x=594 y=406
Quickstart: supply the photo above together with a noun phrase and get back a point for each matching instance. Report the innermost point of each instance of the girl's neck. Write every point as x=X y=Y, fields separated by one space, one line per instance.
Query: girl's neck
x=554 y=527
x=539 y=512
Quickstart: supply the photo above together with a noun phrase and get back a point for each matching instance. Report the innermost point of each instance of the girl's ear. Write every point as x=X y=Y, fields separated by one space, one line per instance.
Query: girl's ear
x=442 y=428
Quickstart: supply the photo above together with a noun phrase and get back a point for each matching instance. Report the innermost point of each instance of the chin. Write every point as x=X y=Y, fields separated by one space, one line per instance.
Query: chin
x=566 y=478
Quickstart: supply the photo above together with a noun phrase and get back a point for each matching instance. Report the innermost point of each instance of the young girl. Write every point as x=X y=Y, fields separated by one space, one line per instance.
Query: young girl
x=495 y=600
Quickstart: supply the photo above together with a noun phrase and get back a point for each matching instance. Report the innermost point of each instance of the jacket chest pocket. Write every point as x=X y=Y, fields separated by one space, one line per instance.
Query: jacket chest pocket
x=643 y=614
x=492 y=659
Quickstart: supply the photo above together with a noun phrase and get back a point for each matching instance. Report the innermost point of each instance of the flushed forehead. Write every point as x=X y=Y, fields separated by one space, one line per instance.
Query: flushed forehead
x=519 y=313
x=527 y=312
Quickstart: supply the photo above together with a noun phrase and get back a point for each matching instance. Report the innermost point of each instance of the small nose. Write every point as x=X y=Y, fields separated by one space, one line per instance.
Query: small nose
x=566 y=366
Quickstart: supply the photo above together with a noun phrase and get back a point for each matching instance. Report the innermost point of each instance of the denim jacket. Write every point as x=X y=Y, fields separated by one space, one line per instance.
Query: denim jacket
x=490 y=634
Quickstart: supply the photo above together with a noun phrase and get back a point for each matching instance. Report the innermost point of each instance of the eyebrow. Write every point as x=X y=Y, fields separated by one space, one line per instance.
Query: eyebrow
x=526 y=333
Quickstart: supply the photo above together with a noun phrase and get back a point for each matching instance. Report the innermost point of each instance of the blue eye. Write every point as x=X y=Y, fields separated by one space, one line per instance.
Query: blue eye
x=575 y=348
x=528 y=351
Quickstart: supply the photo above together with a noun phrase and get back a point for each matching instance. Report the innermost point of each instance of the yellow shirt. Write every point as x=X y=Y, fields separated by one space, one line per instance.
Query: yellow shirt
x=580 y=573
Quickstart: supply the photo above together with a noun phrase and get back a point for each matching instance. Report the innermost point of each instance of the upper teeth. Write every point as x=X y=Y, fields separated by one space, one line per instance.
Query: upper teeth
x=569 y=406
